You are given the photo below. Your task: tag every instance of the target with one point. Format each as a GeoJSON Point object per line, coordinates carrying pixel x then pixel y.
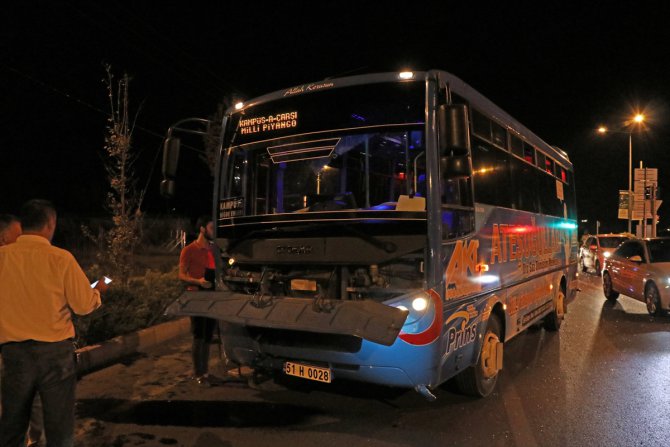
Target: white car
{"type": "Point", "coordinates": [640, 268]}
{"type": "Point", "coordinates": [596, 249]}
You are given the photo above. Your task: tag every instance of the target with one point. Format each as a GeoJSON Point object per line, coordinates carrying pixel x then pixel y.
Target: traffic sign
{"type": "Point", "coordinates": [646, 205]}
{"type": "Point", "coordinates": [623, 204]}
{"type": "Point", "coordinates": [648, 174]}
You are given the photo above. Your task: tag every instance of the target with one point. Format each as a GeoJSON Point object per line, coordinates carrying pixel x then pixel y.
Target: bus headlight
{"type": "Point", "coordinates": [419, 304]}
{"type": "Point", "coordinates": [424, 321]}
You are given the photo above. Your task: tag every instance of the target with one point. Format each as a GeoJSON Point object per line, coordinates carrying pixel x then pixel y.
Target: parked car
{"type": "Point", "coordinates": [596, 249]}
{"type": "Point", "coordinates": [640, 268]}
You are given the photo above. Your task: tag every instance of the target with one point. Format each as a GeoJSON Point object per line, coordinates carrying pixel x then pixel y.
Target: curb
{"type": "Point", "coordinates": [91, 358]}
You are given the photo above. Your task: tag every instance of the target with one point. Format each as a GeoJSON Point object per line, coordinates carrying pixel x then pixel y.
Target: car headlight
{"type": "Point", "coordinates": [607, 254]}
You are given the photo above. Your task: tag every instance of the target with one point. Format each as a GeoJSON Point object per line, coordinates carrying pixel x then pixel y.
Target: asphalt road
{"type": "Point", "coordinates": [603, 380]}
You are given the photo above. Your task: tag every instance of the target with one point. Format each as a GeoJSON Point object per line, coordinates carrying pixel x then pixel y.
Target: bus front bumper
{"type": "Point", "coordinates": [366, 319]}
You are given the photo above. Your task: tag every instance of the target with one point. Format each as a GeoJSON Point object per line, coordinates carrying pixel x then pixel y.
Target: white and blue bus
{"type": "Point", "coordinates": [394, 228]}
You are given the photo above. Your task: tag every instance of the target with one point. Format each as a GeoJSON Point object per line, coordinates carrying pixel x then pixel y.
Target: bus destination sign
{"type": "Point", "coordinates": [260, 124]}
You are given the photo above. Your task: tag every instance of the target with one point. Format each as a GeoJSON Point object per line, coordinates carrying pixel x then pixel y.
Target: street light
{"type": "Point", "coordinates": [635, 122]}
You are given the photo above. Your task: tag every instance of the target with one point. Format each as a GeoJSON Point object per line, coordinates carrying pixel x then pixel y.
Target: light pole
{"type": "Point", "coordinates": [637, 119]}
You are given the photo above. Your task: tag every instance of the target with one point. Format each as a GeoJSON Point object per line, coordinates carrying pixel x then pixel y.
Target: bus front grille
{"type": "Point", "coordinates": [308, 340]}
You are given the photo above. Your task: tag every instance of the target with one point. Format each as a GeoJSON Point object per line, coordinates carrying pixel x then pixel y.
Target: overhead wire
{"type": "Point", "coordinates": [148, 49]}
{"type": "Point", "coordinates": [184, 53]}
{"type": "Point", "coordinates": [83, 103]}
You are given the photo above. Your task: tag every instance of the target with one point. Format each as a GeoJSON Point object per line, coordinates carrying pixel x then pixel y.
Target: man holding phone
{"type": "Point", "coordinates": [40, 285]}
{"type": "Point", "coordinates": [197, 269]}
{"type": "Point", "coordinates": [10, 230]}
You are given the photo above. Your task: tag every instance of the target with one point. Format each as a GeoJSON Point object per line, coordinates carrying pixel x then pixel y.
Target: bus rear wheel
{"type": "Point", "coordinates": [480, 379]}
{"type": "Point", "coordinates": [552, 322]}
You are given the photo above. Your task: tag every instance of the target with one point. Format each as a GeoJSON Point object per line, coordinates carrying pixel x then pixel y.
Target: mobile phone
{"type": "Point", "coordinates": [106, 279]}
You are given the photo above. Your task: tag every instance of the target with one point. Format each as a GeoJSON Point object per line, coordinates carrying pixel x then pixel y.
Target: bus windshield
{"type": "Point", "coordinates": [382, 170]}
{"type": "Point", "coordinates": [331, 148]}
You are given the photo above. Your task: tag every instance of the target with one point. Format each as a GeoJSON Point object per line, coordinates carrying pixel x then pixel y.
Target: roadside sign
{"type": "Point", "coordinates": [637, 210]}
{"type": "Point", "coordinates": [648, 174]}
{"type": "Point", "coordinates": [623, 204]}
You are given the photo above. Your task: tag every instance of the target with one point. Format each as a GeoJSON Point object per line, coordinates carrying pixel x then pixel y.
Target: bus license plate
{"type": "Point", "coordinates": [307, 372]}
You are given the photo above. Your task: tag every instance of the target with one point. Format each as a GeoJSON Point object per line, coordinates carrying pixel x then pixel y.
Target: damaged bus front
{"type": "Point", "coordinates": [321, 215]}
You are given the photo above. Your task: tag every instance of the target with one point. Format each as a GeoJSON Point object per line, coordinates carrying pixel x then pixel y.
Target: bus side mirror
{"type": "Point", "coordinates": [170, 162]}
{"type": "Point", "coordinates": [454, 129]}
{"type": "Point", "coordinates": [168, 188]}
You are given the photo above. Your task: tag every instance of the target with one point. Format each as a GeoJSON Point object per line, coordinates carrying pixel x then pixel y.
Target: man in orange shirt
{"type": "Point", "coordinates": [10, 230]}
{"type": "Point", "coordinates": [40, 285]}
{"type": "Point", "coordinates": [197, 269]}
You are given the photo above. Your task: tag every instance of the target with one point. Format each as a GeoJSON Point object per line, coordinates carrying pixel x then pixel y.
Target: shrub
{"type": "Point", "coordinates": [129, 308]}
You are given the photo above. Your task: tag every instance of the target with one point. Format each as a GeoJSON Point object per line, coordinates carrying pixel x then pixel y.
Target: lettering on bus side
{"type": "Point", "coordinates": [524, 298]}
{"type": "Point", "coordinates": [532, 248]}
{"type": "Point", "coordinates": [461, 328]}
{"type": "Point", "coordinates": [459, 337]}
{"type": "Point", "coordinates": [461, 269]}
{"type": "Point", "coordinates": [530, 316]}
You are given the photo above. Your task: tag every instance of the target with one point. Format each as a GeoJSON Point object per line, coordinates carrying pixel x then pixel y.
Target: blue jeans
{"type": "Point", "coordinates": [49, 369]}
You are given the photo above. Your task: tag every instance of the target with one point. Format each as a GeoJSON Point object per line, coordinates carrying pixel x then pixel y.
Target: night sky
{"type": "Point", "coordinates": [559, 69]}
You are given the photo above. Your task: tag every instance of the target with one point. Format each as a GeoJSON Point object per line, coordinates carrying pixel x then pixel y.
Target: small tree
{"type": "Point", "coordinates": [123, 200]}
{"type": "Point", "coordinates": [212, 139]}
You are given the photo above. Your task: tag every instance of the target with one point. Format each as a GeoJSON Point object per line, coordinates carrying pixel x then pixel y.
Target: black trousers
{"type": "Point", "coordinates": [203, 331]}
{"type": "Point", "coordinates": [49, 369]}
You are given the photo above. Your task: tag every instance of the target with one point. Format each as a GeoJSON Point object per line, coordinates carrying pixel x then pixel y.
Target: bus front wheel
{"type": "Point", "coordinates": [480, 379]}
{"type": "Point", "coordinates": [552, 322]}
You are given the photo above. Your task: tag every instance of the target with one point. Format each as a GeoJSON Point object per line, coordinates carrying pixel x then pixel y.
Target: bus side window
{"type": "Point", "coordinates": [456, 191]}
{"type": "Point", "coordinates": [491, 174]}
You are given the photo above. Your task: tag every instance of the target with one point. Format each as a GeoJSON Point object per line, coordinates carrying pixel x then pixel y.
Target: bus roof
{"type": "Point", "coordinates": [456, 85]}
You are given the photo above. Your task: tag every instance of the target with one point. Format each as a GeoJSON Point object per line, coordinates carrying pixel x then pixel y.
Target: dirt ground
{"type": "Point", "coordinates": [125, 404]}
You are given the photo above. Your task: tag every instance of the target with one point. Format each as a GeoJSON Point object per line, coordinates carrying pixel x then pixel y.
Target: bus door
{"type": "Point", "coordinates": [460, 259]}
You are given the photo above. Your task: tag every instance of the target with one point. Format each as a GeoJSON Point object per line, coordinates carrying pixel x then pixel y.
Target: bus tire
{"type": "Point", "coordinates": [552, 322]}
{"type": "Point", "coordinates": [480, 380]}
{"type": "Point", "coordinates": [608, 291]}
